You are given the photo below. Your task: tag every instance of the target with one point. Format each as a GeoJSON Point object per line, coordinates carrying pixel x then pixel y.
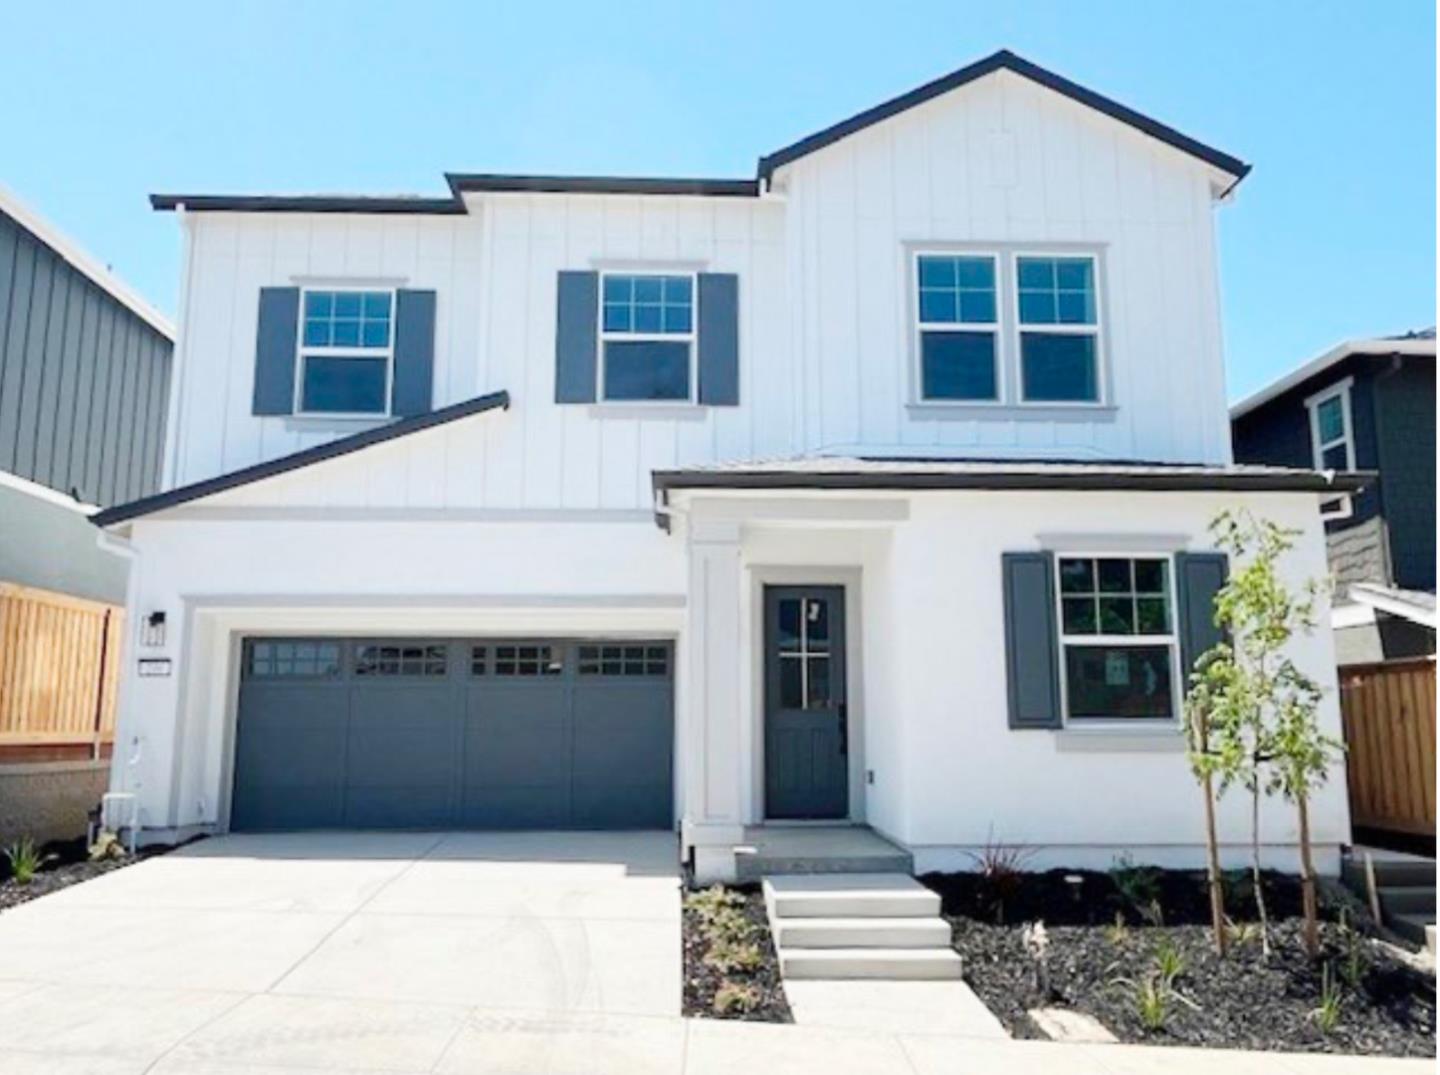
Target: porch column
{"type": "Point", "coordinates": [712, 825]}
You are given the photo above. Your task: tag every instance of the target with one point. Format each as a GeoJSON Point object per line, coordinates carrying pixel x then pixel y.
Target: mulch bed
{"type": "Point", "coordinates": [70, 866]}
{"type": "Point", "coordinates": [1243, 1001]}
{"type": "Point", "coordinates": [702, 981]}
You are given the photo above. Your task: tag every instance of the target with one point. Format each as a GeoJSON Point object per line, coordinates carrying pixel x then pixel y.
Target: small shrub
{"type": "Point", "coordinates": [1139, 886]}
{"type": "Point", "coordinates": [714, 900]}
{"type": "Point", "coordinates": [1327, 1015]}
{"type": "Point", "coordinates": [1118, 933]}
{"type": "Point", "coordinates": [1242, 933]}
{"type": "Point", "coordinates": [1169, 963]}
{"type": "Point", "coordinates": [1153, 914]}
{"type": "Point", "coordinates": [731, 957]}
{"type": "Point", "coordinates": [1152, 1004]}
{"type": "Point", "coordinates": [25, 860]}
{"type": "Point", "coordinates": [1354, 966]}
{"type": "Point", "coordinates": [1002, 869]}
{"type": "Point", "coordinates": [735, 998]}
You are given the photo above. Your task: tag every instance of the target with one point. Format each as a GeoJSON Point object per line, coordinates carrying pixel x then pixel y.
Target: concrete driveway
{"type": "Point", "coordinates": [371, 951]}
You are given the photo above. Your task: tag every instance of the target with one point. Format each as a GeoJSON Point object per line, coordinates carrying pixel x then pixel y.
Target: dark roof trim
{"type": "Point", "coordinates": [307, 203]}
{"type": "Point", "coordinates": [596, 184]}
{"type": "Point", "coordinates": [1298, 481]}
{"type": "Point", "coordinates": [1006, 60]}
{"type": "Point", "coordinates": [310, 456]}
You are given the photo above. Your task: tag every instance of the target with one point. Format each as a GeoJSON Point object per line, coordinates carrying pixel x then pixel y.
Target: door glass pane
{"type": "Point", "coordinates": [817, 625]}
{"type": "Point", "coordinates": [817, 694]}
{"type": "Point", "coordinates": [788, 636]}
{"type": "Point", "coordinates": [792, 692]}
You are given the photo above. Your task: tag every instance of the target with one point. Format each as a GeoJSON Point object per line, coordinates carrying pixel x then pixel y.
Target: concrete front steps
{"type": "Point", "coordinates": [1405, 885]}
{"type": "Point", "coordinates": [859, 925]}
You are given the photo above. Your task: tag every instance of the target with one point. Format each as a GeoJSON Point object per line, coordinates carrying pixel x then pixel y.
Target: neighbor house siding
{"type": "Point", "coordinates": [83, 380]}
{"type": "Point", "coordinates": [1405, 441]}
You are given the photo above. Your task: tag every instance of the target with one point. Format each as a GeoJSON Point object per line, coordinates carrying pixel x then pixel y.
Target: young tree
{"type": "Point", "coordinates": [1252, 713]}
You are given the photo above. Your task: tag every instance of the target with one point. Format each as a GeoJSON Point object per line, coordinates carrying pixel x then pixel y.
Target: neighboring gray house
{"type": "Point", "coordinates": [84, 386]}
{"type": "Point", "coordinates": [1364, 405]}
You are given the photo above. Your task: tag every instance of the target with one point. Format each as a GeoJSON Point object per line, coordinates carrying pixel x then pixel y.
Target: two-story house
{"type": "Point", "coordinates": [871, 490]}
{"type": "Point", "coordinates": [1363, 405]}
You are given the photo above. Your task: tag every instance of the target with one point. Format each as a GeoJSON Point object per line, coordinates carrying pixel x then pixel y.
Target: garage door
{"type": "Point", "coordinates": [443, 733]}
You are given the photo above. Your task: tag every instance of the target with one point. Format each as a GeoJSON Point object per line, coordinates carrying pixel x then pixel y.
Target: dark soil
{"type": "Point", "coordinates": [1243, 1001]}
{"type": "Point", "coordinates": [703, 981]}
{"type": "Point", "coordinates": [70, 866]}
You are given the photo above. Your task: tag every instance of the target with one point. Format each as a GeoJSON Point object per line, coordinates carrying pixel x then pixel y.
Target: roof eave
{"type": "Point", "coordinates": [404, 427]}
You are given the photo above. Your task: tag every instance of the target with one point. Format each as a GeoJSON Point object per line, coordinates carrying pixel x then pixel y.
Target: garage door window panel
{"type": "Point", "coordinates": [392, 660]}
{"type": "Point", "coordinates": [298, 659]}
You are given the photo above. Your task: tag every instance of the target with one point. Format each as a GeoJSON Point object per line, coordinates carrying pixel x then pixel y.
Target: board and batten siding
{"type": "Point", "coordinates": [825, 302]}
{"type": "Point", "coordinates": [84, 381]}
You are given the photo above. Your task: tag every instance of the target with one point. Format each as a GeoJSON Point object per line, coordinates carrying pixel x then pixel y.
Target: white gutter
{"type": "Point", "coordinates": [1386, 600]}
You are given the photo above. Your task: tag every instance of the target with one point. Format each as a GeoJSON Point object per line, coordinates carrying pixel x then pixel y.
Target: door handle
{"type": "Point", "coordinates": [844, 729]}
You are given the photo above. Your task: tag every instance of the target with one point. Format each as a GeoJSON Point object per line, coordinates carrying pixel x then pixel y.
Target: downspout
{"type": "Point", "coordinates": [126, 756]}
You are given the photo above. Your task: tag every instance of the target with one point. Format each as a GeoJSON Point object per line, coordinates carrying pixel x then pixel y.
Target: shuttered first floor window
{"type": "Point", "coordinates": [647, 338]}
{"type": "Point", "coordinates": [1118, 642]}
{"type": "Point", "coordinates": [347, 347]}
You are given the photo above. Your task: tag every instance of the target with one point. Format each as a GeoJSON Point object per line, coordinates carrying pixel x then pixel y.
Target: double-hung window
{"type": "Point", "coordinates": [1059, 329]}
{"type": "Point", "coordinates": [347, 349]}
{"type": "Point", "coordinates": [1118, 644]}
{"type": "Point", "coordinates": [958, 328]}
{"type": "Point", "coordinates": [647, 338]}
{"type": "Point", "coordinates": [1330, 435]}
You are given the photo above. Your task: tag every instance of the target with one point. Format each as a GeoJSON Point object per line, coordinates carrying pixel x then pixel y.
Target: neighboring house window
{"type": "Point", "coordinates": [1118, 649]}
{"type": "Point", "coordinates": [347, 347]}
{"type": "Point", "coordinates": [1059, 329]}
{"type": "Point", "coordinates": [647, 338]}
{"type": "Point", "coordinates": [1330, 435]}
{"type": "Point", "coordinates": [958, 327]}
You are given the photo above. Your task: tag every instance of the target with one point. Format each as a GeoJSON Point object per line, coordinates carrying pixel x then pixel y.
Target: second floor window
{"type": "Point", "coordinates": [958, 327]}
{"type": "Point", "coordinates": [347, 346]}
{"type": "Point", "coordinates": [1059, 330]}
{"type": "Point", "coordinates": [1330, 429]}
{"type": "Point", "coordinates": [647, 338]}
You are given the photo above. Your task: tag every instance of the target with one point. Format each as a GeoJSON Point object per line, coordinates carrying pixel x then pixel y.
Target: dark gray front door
{"type": "Point", "coordinates": [805, 712]}
{"type": "Point", "coordinates": [444, 733]}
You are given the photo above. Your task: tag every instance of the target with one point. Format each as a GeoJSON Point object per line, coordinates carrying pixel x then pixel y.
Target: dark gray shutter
{"type": "Point", "coordinates": [275, 342]}
{"type": "Point", "coordinates": [1198, 578]}
{"type": "Point", "coordinates": [719, 339]}
{"type": "Point", "coordinates": [1031, 659]}
{"type": "Point", "coordinates": [412, 389]}
{"type": "Point", "coordinates": [577, 336]}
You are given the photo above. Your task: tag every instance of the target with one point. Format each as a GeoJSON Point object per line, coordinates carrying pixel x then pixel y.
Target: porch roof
{"type": "Point", "coordinates": [841, 472]}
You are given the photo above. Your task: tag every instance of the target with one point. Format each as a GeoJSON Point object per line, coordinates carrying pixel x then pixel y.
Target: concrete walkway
{"type": "Point", "coordinates": [468, 953]}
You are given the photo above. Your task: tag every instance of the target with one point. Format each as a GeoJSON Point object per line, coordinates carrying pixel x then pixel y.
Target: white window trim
{"type": "Point", "coordinates": [302, 352]}
{"type": "Point", "coordinates": [919, 328]}
{"type": "Point", "coordinates": [1343, 506]}
{"type": "Point", "coordinates": [1097, 330]}
{"type": "Point", "coordinates": [1170, 641]}
{"type": "Point", "coordinates": [691, 339]}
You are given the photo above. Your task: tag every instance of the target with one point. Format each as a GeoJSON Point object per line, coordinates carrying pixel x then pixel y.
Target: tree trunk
{"type": "Point", "coordinates": [1307, 881]}
{"type": "Point", "coordinates": [1255, 869]}
{"type": "Point", "coordinates": [1212, 850]}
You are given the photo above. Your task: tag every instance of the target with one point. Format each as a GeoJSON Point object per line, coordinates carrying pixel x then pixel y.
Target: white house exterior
{"type": "Point", "coordinates": [874, 491]}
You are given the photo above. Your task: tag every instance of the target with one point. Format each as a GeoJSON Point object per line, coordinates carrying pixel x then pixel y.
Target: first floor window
{"type": "Point", "coordinates": [958, 327]}
{"type": "Point", "coordinates": [1059, 329]}
{"type": "Point", "coordinates": [347, 344]}
{"type": "Point", "coordinates": [1117, 638]}
{"type": "Point", "coordinates": [647, 337]}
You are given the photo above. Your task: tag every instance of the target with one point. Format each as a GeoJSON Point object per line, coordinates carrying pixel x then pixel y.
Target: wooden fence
{"type": "Point", "coordinates": [1389, 715]}
{"type": "Point", "coordinates": [59, 670]}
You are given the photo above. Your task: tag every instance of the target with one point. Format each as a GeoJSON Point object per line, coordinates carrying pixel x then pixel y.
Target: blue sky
{"type": "Point", "coordinates": [1332, 236]}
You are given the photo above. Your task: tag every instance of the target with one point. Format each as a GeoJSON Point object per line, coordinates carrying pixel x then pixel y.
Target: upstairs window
{"type": "Point", "coordinates": [347, 348]}
{"type": "Point", "coordinates": [958, 328]}
{"type": "Point", "coordinates": [1059, 329]}
{"type": "Point", "coordinates": [1330, 434]}
{"type": "Point", "coordinates": [647, 338]}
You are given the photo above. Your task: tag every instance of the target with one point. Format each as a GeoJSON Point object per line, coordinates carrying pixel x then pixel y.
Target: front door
{"type": "Point", "coordinates": [805, 734]}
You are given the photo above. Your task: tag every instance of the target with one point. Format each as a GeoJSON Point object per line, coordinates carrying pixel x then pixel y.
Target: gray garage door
{"type": "Point", "coordinates": [442, 733]}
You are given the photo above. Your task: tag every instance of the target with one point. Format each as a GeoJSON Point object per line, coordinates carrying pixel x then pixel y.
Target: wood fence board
{"type": "Point", "coordinates": [59, 666]}
{"type": "Point", "coordinates": [1388, 716]}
